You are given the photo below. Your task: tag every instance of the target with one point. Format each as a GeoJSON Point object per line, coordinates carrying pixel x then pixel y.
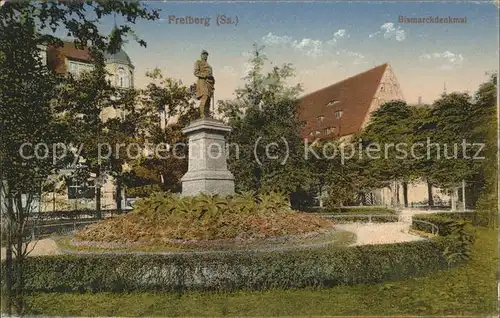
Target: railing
{"type": "Point", "coordinates": [368, 216]}
{"type": "Point", "coordinates": [434, 227]}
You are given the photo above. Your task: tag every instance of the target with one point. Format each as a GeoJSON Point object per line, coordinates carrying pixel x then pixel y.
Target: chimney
{"type": "Point", "coordinates": [420, 101]}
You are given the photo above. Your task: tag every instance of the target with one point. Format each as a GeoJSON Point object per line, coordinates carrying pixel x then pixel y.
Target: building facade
{"type": "Point", "coordinates": [68, 59]}
{"type": "Point", "coordinates": [345, 108]}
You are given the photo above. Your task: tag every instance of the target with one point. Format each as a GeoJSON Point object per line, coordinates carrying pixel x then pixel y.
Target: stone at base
{"type": "Point", "coordinates": [208, 182]}
{"type": "Point", "coordinates": [207, 167]}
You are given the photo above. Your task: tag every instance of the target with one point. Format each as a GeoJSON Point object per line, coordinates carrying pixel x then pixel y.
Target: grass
{"type": "Point", "coordinates": [466, 290]}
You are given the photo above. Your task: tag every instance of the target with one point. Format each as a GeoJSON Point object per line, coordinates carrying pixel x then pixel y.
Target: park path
{"type": "Point", "coordinates": [43, 247]}
{"type": "Point", "coordinates": [385, 233]}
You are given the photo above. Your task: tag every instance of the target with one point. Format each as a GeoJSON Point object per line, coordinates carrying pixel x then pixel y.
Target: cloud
{"type": "Point", "coordinates": [340, 34]}
{"type": "Point", "coordinates": [389, 32]}
{"type": "Point", "coordinates": [449, 59]}
{"type": "Point", "coordinates": [310, 47]}
{"type": "Point", "coordinates": [271, 39]}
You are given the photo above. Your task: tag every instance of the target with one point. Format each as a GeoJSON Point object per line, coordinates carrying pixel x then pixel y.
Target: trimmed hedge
{"type": "Point", "coordinates": [322, 267]}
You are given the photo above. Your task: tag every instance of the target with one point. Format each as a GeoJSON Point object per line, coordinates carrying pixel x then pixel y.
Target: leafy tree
{"type": "Point", "coordinates": [163, 100]}
{"type": "Point", "coordinates": [265, 110]}
{"type": "Point", "coordinates": [27, 93]}
{"type": "Point", "coordinates": [485, 131]}
{"type": "Point", "coordinates": [389, 133]}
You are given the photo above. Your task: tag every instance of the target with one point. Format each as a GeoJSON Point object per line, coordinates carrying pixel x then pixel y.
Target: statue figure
{"type": "Point", "coordinates": [205, 84]}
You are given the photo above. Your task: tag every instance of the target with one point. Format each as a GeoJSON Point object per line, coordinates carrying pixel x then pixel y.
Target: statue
{"type": "Point", "coordinates": [205, 84]}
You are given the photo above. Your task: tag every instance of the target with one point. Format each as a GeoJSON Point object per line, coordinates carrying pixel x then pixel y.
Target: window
{"type": "Point", "coordinates": [382, 87]}
{"type": "Point", "coordinates": [76, 68]}
{"type": "Point", "coordinates": [329, 130]}
{"type": "Point", "coordinates": [123, 78]}
{"type": "Point", "coordinates": [311, 134]}
{"type": "Point", "coordinates": [338, 113]}
{"type": "Point", "coordinates": [318, 132]}
{"type": "Point", "coordinates": [80, 190]}
{"type": "Point", "coordinates": [332, 102]}
{"type": "Point", "coordinates": [320, 119]}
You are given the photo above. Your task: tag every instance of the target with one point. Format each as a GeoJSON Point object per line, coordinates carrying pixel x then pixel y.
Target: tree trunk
{"type": "Point", "coordinates": [453, 199]}
{"type": "Point", "coordinates": [405, 193]}
{"type": "Point", "coordinates": [21, 219]}
{"type": "Point", "coordinates": [119, 194]}
{"type": "Point", "coordinates": [395, 193]}
{"type": "Point", "coordinates": [98, 193]}
{"type": "Point", "coordinates": [429, 194]}
{"type": "Point", "coordinates": [8, 255]}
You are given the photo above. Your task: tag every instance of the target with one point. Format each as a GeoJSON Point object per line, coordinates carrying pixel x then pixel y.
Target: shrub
{"type": "Point", "coordinates": [321, 267]}
{"type": "Point", "coordinates": [163, 219]}
{"type": "Point", "coordinates": [457, 230]}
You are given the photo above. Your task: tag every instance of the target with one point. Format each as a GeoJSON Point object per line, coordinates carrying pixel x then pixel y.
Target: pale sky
{"type": "Point", "coordinates": [326, 42]}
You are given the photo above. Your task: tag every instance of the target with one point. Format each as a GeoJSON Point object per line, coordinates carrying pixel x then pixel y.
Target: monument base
{"type": "Point", "coordinates": [208, 182]}
{"type": "Point", "coordinates": [207, 166]}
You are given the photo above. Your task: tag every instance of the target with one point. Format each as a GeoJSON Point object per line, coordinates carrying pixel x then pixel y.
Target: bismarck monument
{"type": "Point", "coordinates": [207, 165]}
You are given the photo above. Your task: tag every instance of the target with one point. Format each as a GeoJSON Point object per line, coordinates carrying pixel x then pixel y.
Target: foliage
{"type": "Point", "coordinates": [29, 92]}
{"type": "Point", "coordinates": [321, 267]}
{"type": "Point", "coordinates": [265, 112]}
{"type": "Point", "coordinates": [467, 290]}
{"type": "Point", "coordinates": [163, 218]}
{"type": "Point", "coordinates": [456, 229]}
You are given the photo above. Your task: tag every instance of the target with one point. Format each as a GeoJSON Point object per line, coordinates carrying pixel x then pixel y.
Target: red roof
{"type": "Point", "coordinates": [353, 97]}
{"type": "Point", "coordinates": [57, 56]}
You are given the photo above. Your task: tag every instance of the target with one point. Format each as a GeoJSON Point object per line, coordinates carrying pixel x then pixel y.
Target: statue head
{"type": "Point", "coordinates": [204, 55]}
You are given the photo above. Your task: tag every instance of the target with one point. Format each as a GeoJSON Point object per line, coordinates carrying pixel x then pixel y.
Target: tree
{"type": "Point", "coordinates": [390, 131]}
{"type": "Point", "coordinates": [27, 92]}
{"type": "Point", "coordinates": [485, 130]}
{"type": "Point", "coordinates": [164, 99]}
{"type": "Point", "coordinates": [265, 111]}
{"type": "Point", "coordinates": [451, 162]}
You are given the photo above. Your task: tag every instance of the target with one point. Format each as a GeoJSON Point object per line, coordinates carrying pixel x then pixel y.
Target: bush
{"type": "Point", "coordinates": [452, 226]}
{"type": "Point", "coordinates": [321, 267]}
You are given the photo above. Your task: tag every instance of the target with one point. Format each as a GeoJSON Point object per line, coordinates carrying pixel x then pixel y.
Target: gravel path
{"type": "Point", "coordinates": [380, 233]}
{"type": "Point", "coordinates": [43, 247]}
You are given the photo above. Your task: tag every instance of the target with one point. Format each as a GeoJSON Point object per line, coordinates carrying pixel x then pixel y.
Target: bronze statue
{"type": "Point", "coordinates": [205, 84]}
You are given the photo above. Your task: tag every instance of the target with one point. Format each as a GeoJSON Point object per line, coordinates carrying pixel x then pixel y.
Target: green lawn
{"type": "Point", "coordinates": [466, 290]}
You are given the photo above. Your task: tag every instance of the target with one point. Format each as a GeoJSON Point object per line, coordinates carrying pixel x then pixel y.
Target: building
{"type": "Point", "coordinates": [344, 108]}
{"type": "Point", "coordinates": [69, 59]}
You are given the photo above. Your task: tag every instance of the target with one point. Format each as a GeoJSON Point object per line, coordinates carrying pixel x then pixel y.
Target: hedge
{"type": "Point", "coordinates": [322, 267]}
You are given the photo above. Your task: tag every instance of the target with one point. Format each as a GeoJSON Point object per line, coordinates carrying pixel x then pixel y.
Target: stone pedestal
{"type": "Point", "coordinates": [207, 167]}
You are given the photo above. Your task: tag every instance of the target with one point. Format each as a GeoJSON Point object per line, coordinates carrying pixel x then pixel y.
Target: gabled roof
{"type": "Point", "coordinates": [353, 96]}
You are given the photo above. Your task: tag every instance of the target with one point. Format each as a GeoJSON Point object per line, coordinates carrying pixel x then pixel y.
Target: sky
{"type": "Point", "coordinates": [325, 41]}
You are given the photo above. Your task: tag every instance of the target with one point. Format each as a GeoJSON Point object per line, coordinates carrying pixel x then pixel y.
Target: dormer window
{"type": "Point", "coordinates": [332, 102]}
{"type": "Point", "coordinates": [320, 119]}
{"type": "Point", "coordinates": [338, 113]}
{"type": "Point", "coordinates": [329, 130]}
{"type": "Point", "coordinates": [318, 132]}
{"type": "Point", "coordinates": [311, 134]}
